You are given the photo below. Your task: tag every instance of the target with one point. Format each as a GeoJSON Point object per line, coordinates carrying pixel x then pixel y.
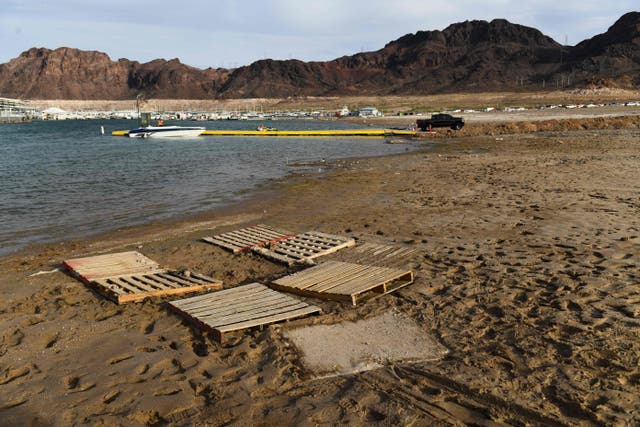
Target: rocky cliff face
{"type": "Point", "coordinates": [612, 57]}
{"type": "Point", "coordinates": [67, 73]}
{"type": "Point", "coordinates": [63, 73]}
{"type": "Point", "coordinates": [476, 55]}
{"type": "Point", "coordinates": [467, 56]}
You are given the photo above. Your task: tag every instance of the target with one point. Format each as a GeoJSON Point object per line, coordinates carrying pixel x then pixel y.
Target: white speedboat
{"type": "Point", "coordinates": [146, 130]}
{"type": "Point", "coordinates": [166, 132]}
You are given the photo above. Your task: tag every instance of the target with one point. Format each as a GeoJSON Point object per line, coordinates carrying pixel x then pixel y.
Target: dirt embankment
{"type": "Point", "coordinates": [553, 125]}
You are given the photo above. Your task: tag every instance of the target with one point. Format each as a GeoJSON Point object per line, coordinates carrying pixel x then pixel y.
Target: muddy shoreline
{"type": "Point", "coordinates": [527, 274]}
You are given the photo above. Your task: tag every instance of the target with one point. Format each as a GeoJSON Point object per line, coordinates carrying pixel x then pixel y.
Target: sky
{"type": "Point", "coordinates": [228, 34]}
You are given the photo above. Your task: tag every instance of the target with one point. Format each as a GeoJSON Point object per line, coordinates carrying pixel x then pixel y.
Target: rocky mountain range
{"type": "Point", "coordinates": [468, 56]}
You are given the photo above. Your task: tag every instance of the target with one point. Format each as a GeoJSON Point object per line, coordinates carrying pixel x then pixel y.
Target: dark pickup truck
{"type": "Point", "coordinates": [440, 121]}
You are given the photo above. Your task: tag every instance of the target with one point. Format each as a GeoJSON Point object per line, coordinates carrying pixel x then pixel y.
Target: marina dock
{"type": "Point", "coordinates": [300, 133]}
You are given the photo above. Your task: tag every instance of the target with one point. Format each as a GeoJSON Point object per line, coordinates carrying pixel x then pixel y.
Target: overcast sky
{"type": "Point", "coordinates": [226, 33]}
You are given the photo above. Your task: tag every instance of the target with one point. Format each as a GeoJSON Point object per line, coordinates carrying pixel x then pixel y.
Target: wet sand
{"type": "Point", "coordinates": [527, 275]}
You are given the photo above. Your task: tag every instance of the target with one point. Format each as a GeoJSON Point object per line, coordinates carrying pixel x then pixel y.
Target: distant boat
{"type": "Point", "coordinates": [147, 131]}
{"type": "Point", "coordinates": [166, 132]}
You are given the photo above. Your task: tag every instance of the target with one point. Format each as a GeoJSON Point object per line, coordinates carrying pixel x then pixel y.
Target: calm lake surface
{"type": "Point", "coordinates": [60, 180]}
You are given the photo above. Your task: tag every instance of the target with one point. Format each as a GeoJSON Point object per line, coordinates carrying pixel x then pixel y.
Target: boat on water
{"type": "Point", "coordinates": [146, 130]}
{"type": "Point", "coordinates": [166, 132]}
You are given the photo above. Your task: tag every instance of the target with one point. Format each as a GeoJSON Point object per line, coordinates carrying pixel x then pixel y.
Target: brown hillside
{"type": "Point", "coordinates": [471, 56]}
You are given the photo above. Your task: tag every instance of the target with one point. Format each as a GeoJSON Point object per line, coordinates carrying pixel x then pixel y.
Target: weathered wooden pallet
{"type": "Point", "coordinates": [118, 264]}
{"type": "Point", "coordinates": [137, 287]}
{"type": "Point", "coordinates": [240, 308]}
{"type": "Point", "coordinates": [344, 281]}
{"type": "Point", "coordinates": [392, 256]}
{"type": "Point", "coordinates": [131, 276]}
{"type": "Point", "coordinates": [247, 238]}
{"type": "Point", "coordinates": [304, 248]}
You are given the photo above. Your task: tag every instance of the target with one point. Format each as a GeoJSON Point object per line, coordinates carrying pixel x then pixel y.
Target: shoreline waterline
{"type": "Point", "coordinates": [250, 207]}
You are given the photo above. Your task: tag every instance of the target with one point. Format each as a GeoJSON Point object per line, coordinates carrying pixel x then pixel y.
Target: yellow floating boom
{"type": "Point", "coordinates": [332, 132]}
{"type": "Point", "coordinates": [341, 132]}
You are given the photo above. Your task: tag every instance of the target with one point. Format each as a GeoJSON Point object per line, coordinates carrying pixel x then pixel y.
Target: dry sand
{"type": "Point", "coordinates": [528, 275]}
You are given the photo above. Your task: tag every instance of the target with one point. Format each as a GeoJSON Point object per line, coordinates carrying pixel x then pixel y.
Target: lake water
{"type": "Point", "coordinates": [60, 180]}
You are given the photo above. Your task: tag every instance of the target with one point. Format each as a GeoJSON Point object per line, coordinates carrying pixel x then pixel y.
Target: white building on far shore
{"type": "Point", "coordinates": [54, 113]}
{"type": "Point", "coordinates": [344, 112]}
{"type": "Point", "coordinates": [14, 110]}
{"type": "Point", "coordinates": [370, 112]}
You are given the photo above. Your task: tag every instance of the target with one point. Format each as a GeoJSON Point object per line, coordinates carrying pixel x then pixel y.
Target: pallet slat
{"type": "Point", "coordinates": [240, 308]}
{"type": "Point", "coordinates": [133, 284]}
{"type": "Point", "coordinates": [223, 244]}
{"type": "Point", "coordinates": [315, 276]}
{"type": "Point", "coordinates": [301, 249]}
{"type": "Point", "coordinates": [246, 238]}
{"type": "Point", "coordinates": [344, 281]}
{"type": "Point", "coordinates": [337, 280]}
{"type": "Point", "coordinates": [271, 319]}
{"type": "Point", "coordinates": [392, 256]}
{"type": "Point", "coordinates": [262, 299]}
{"type": "Point", "coordinates": [130, 288]}
{"type": "Point", "coordinates": [257, 313]}
{"type": "Point", "coordinates": [330, 278]}
{"type": "Point", "coordinates": [262, 234]}
{"type": "Point", "coordinates": [245, 292]}
{"type": "Point", "coordinates": [280, 258]}
{"type": "Point", "coordinates": [165, 282]}
{"type": "Point", "coordinates": [364, 282]}
{"type": "Point", "coordinates": [149, 281]}
{"type": "Point", "coordinates": [103, 266]}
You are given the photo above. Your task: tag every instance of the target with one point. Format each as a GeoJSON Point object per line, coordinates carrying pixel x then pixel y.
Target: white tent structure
{"type": "Point", "coordinates": [54, 113]}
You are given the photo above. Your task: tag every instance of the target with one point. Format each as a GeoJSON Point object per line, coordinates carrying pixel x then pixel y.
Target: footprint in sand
{"type": "Point", "coordinates": [148, 327]}
{"type": "Point", "coordinates": [17, 401]}
{"type": "Point", "coordinates": [119, 359]}
{"type": "Point", "coordinates": [167, 391]}
{"type": "Point", "coordinates": [622, 255]}
{"type": "Point", "coordinates": [50, 340]}
{"type": "Point", "coordinates": [83, 387]}
{"type": "Point", "coordinates": [71, 382]}
{"type": "Point", "coordinates": [147, 418]}
{"type": "Point", "coordinates": [12, 374]}
{"type": "Point", "coordinates": [111, 396]}
{"type": "Point", "coordinates": [573, 306]}
{"type": "Point", "coordinates": [11, 339]}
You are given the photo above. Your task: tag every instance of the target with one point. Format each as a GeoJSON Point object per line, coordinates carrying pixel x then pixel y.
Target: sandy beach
{"type": "Point", "coordinates": [526, 272]}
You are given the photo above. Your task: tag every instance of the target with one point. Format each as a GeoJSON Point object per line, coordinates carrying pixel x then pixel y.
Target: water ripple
{"type": "Point", "coordinates": [63, 179]}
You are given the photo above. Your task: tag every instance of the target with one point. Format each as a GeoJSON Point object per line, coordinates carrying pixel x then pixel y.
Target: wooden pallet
{"type": "Point", "coordinates": [247, 238]}
{"type": "Point", "coordinates": [137, 287]}
{"type": "Point", "coordinates": [131, 276]}
{"type": "Point", "coordinates": [304, 248]}
{"type": "Point", "coordinates": [118, 264]}
{"type": "Point", "coordinates": [380, 255]}
{"type": "Point", "coordinates": [344, 281]}
{"type": "Point", "coordinates": [240, 308]}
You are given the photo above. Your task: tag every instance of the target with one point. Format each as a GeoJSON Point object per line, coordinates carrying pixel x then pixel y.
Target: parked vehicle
{"type": "Point", "coordinates": [440, 121]}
